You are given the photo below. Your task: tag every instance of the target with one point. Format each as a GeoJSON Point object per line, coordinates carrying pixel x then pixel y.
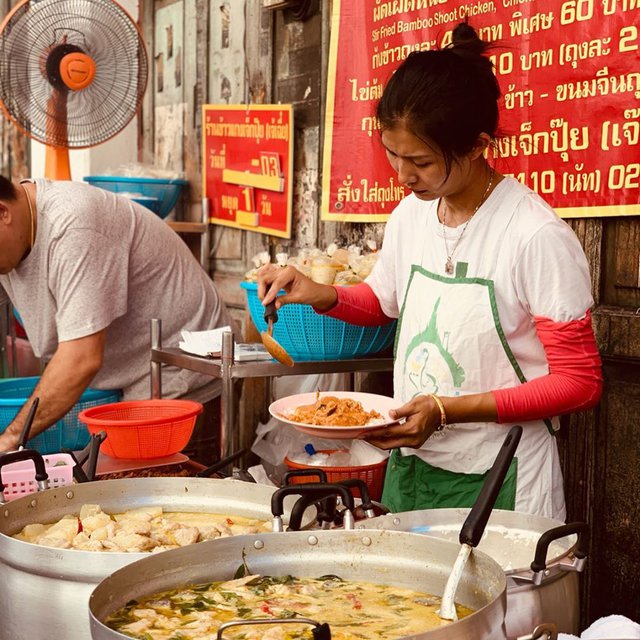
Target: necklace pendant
{"type": "Point", "coordinates": [448, 267]}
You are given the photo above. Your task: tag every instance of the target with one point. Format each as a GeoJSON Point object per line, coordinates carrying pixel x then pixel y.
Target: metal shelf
{"type": "Point", "coordinates": [266, 368]}
{"type": "Point", "coordinates": [225, 369]}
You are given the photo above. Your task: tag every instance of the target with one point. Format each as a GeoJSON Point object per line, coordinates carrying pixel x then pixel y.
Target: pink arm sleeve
{"type": "Point", "coordinates": [574, 381]}
{"type": "Point", "coordinates": [359, 305]}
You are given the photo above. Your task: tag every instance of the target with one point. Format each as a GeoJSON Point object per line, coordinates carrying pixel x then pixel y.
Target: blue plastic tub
{"type": "Point", "coordinates": [307, 335]}
{"type": "Point", "coordinates": [68, 432]}
{"type": "Point", "coordinates": [157, 194]}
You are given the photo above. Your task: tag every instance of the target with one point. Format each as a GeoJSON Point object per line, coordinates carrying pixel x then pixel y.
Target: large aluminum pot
{"type": "Point", "coordinates": [45, 591]}
{"type": "Point", "coordinates": [550, 594]}
{"type": "Point", "coordinates": [389, 557]}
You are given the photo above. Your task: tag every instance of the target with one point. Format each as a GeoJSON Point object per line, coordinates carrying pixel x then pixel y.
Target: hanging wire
{"type": "Point", "coordinates": [58, 117]}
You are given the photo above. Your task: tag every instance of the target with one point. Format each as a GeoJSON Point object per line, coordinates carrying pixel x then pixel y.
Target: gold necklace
{"type": "Point", "coordinates": [448, 267]}
{"type": "Point", "coordinates": [31, 216]}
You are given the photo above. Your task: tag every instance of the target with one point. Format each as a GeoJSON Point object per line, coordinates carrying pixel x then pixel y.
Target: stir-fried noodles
{"type": "Point", "coordinates": [330, 411]}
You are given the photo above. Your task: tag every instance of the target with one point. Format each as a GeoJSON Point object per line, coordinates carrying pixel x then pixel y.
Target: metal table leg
{"type": "Point", "coordinates": [229, 438]}
{"type": "Point", "coordinates": [156, 367]}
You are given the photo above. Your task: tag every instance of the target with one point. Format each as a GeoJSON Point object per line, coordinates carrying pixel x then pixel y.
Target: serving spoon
{"type": "Point", "coordinates": [474, 526]}
{"type": "Point", "coordinates": [270, 344]}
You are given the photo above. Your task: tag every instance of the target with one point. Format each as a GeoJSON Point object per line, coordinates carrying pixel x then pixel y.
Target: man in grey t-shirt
{"type": "Point", "coordinates": [87, 270]}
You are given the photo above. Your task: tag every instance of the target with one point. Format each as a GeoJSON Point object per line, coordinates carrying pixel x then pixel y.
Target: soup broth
{"type": "Point", "coordinates": [353, 610]}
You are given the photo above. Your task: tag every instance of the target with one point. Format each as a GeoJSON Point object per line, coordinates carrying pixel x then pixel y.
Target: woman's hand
{"type": "Point", "coordinates": [299, 288]}
{"type": "Point", "coordinates": [422, 418]}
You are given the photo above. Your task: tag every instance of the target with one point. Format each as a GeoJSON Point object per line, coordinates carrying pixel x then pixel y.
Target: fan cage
{"type": "Point", "coordinates": [75, 119]}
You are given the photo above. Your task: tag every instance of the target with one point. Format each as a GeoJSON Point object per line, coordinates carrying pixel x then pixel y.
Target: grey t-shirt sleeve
{"type": "Point", "coordinates": [4, 298]}
{"type": "Point", "coordinates": [88, 278]}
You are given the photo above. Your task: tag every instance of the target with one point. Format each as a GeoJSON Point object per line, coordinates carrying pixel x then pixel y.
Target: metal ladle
{"type": "Point", "coordinates": [270, 344]}
{"type": "Point", "coordinates": [474, 526]}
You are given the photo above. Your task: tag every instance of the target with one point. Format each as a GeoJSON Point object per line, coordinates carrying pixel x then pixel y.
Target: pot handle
{"type": "Point", "coordinates": [361, 485]}
{"type": "Point", "coordinates": [539, 564]}
{"type": "Point", "coordinates": [320, 631]}
{"type": "Point", "coordinates": [42, 477]}
{"type": "Point", "coordinates": [326, 509]}
{"type": "Point", "coordinates": [302, 473]}
{"type": "Point", "coordinates": [316, 489]}
{"type": "Point", "coordinates": [546, 631]}
{"type": "Point", "coordinates": [476, 521]}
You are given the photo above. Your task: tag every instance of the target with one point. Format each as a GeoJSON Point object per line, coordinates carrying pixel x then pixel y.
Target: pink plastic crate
{"type": "Point", "coordinates": [19, 477]}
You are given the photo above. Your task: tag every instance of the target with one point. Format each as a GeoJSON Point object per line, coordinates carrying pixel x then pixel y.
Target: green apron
{"type": "Point", "coordinates": [413, 484]}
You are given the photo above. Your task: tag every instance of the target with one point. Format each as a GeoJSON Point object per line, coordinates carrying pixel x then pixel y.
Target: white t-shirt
{"type": "Point", "coordinates": [102, 261]}
{"type": "Point", "coordinates": [535, 261]}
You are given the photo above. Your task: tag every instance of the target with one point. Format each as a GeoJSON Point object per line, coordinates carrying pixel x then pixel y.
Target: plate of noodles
{"type": "Point", "coordinates": [335, 414]}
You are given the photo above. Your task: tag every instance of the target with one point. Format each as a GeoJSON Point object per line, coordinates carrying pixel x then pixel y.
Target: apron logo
{"type": "Point", "coordinates": [426, 355]}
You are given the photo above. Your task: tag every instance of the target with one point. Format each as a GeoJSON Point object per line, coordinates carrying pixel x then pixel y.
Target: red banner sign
{"type": "Point", "coordinates": [570, 76]}
{"type": "Point", "coordinates": [248, 166]}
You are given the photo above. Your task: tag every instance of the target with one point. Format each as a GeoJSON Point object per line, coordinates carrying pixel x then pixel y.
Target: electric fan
{"type": "Point", "coordinates": [72, 74]}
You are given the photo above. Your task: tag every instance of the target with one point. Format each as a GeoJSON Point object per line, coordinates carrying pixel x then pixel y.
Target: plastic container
{"type": "Point", "coordinates": [142, 429]}
{"type": "Point", "coordinates": [68, 432]}
{"type": "Point", "coordinates": [154, 204]}
{"type": "Point", "coordinates": [307, 335]}
{"type": "Point", "coordinates": [371, 474]}
{"type": "Point", "coordinates": [19, 477]}
{"type": "Point", "coordinates": [157, 194]}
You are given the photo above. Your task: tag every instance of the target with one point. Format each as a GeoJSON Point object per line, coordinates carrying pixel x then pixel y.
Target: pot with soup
{"type": "Point", "coordinates": [57, 545]}
{"type": "Point", "coordinates": [361, 584]}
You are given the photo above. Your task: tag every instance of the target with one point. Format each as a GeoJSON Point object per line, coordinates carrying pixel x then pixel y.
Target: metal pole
{"type": "Point", "coordinates": [4, 360]}
{"type": "Point", "coordinates": [268, 398]}
{"type": "Point", "coordinates": [204, 238]}
{"type": "Point", "coordinates": [156, 367]}
{"type": "Point", "coordinates": [228, 436]}
{"type": "Point", "coordinates": [13, 341]}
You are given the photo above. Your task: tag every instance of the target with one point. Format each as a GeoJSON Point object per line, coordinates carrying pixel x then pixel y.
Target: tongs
{"type": "Point", "coordinates": [89, 455]}
{"type": "Point", "coordinates": [24, 436]}
{"type": "Point", "coordinates": [221, 464]}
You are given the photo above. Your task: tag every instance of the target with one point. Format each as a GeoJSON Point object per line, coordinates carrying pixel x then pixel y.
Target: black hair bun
{"type": "Point", "coordinates": [465, 39]}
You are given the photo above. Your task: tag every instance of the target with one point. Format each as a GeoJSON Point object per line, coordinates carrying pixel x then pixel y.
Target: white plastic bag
{"type": "Point", "coordinates": [275, 439]}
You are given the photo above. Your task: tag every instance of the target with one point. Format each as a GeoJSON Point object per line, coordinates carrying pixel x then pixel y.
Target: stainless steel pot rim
{"type": "Point", "coordinates": [508, 535]}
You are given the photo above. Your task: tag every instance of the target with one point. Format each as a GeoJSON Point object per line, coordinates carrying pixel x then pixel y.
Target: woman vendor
{"type": "Point", "coordinates": [491, 289]}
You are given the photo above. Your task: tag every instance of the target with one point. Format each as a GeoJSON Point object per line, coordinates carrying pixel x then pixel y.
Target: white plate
{"type": "Point", "coordinates": [280, 409]}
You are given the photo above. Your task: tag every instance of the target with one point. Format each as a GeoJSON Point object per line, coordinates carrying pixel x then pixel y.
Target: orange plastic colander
{"type": "Point", "coordinates": [141, 429]}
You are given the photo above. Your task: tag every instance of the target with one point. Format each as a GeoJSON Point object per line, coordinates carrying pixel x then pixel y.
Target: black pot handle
{"type": "Point", "coordinates": [42, 476]}
{"type": "Point", "coordinates": [326, 510]}
{"type": "Point", "coordinates": [317, 489]}
{"type": "Point", "coordinates": [542, 548]}
{"type": "Point", "coordinates": [476, 521]}
{"type": "Point", "coordinates": [301, 473]}
{"type": "Point", "coordinates": [361, 485]}
{"type": "Point", "coordinates": [319, 631]}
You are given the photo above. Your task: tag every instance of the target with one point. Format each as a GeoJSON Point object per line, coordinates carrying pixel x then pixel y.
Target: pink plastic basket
{"type": "Point", "coordinates": [19, 477]}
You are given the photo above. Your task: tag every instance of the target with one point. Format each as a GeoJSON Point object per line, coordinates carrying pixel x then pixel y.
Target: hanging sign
{"type": "Point", "coordinates": [248, 166]}
{"type": "Point", "coordinates": [570, 113]}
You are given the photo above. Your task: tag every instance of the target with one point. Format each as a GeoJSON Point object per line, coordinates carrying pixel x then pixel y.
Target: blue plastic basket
{"type": "Point", "coordinates": [157, 194]}
{"type": "Point", "coordinates": [68, 432]}
{"type": "Point", "coordinates": [307, 335]}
